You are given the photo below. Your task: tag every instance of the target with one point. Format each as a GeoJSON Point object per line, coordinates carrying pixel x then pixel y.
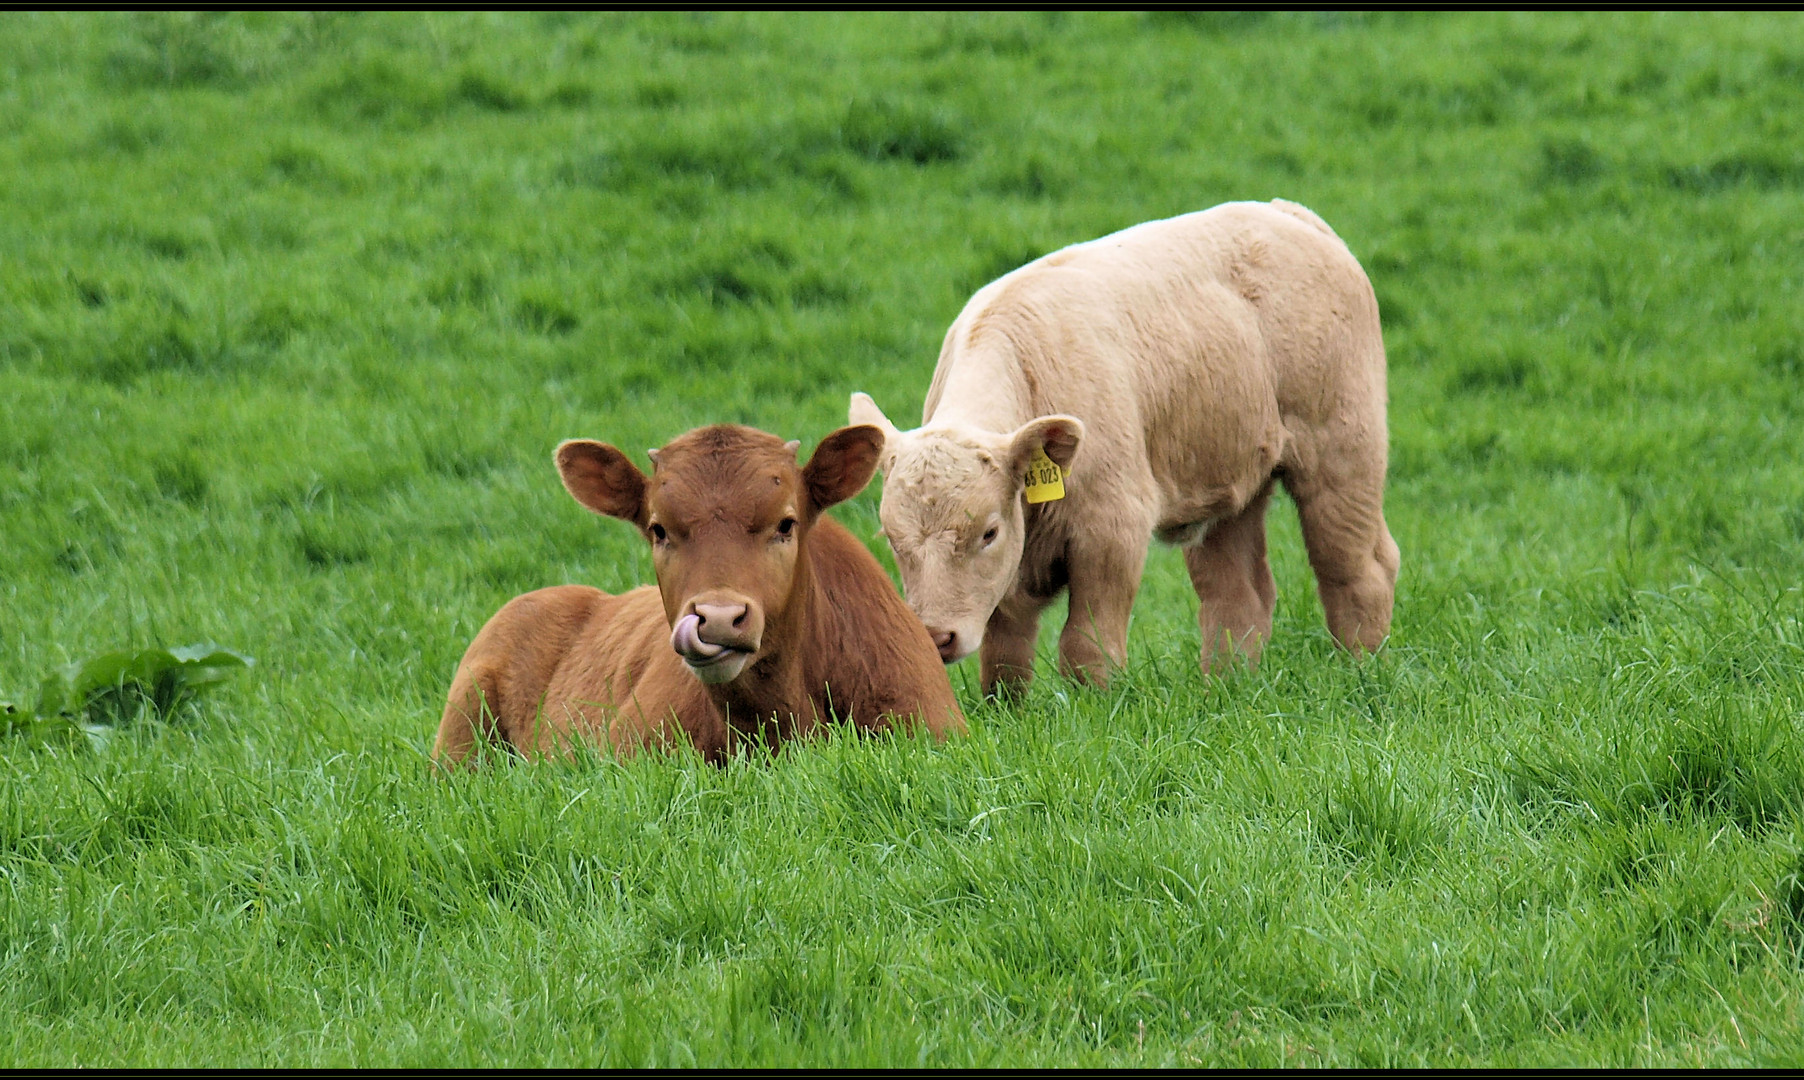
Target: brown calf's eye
{"type": "Point", "coordinates": [658, 534]}
{"type": "Point", "coordinates": [786, 526]}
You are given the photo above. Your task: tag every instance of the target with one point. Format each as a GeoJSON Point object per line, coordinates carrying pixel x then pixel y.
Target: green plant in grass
{"type": "Point", "coordinates": [86, 700]}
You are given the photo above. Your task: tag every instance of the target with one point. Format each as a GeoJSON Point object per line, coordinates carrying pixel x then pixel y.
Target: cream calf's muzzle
{"type": "Point", "coordinates": [954, 645]}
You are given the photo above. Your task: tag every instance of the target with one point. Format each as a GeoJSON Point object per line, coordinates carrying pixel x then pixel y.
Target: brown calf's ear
{"type": "Point", "coordinates": [602, 479]}
{"type": "Point", "coordinates": [842, 465]}
{"type": "Point", "coordinates": [1058, 436]}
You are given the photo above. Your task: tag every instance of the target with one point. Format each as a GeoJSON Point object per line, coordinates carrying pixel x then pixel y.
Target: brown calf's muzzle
{"type": "Point", "coordinates": [717, 633]}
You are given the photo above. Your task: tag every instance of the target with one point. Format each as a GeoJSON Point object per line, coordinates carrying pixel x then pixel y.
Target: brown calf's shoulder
{"type": "Point", "coordinates": [873, 656]}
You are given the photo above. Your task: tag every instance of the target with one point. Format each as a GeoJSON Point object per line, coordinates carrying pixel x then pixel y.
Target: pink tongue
{"type": "Point", "coordinates": [686, 639]}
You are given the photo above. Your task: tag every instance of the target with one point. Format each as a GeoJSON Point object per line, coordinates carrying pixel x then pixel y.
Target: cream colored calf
{"type": "Point", "coordinates": [1176, 369]}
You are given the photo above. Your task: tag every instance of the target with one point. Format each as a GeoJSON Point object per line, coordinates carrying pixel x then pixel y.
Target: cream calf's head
{"type": "Point", "coordinates": [954, 512]}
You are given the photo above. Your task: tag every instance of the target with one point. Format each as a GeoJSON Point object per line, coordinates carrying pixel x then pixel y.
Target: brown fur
{"type": "Point", "coordinates": [1183, 366]}
{"type": "Point", "coordinates": [825, 634]}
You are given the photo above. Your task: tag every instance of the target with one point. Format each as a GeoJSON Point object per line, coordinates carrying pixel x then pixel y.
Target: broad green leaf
{"type": "Point", "coordinates": [204, 665]}
{"type": "Point", "coordinates": [211, 656]}
{"type": "Point", "coordinates": [108, 670]}
{"type": "Point", "coordinates": [54, 694]}
{"type": "Point", "coordinates": [13, 718]}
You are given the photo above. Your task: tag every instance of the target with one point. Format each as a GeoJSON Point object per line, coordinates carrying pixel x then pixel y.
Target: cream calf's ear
{"type": "Point", "coordinates": [842, 465]}
{"type": "Point", "coordinates": [1058, 436]}
{"type": "Point", "coordinates": [863, 410]}
{"type": "Point", "coordinates": [602, 479]}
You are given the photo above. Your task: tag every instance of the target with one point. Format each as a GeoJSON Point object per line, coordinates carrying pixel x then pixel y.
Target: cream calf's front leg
{"type": "Point", "coordinates": [1104, 580]}
{"type": "Point", "coordinates": [1007, 654]}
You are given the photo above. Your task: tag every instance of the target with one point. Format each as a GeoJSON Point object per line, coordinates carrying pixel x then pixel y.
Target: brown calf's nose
{"type": "Point", "coordinates": [719, 615]}
{"type": "Point", "coordinates": [726, 624]}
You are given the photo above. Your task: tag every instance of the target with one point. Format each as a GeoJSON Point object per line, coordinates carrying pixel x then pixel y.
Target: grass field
{"type": "Point", "coordinates": [293, 310]}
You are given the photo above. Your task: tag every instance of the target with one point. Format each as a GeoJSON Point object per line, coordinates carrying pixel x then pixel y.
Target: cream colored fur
{"type": "Point", "coordinates": [1178, 368]}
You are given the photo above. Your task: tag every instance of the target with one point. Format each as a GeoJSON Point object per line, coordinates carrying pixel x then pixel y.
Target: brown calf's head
{"type": "Point", "coordinates": [727, 512]}
{"type": "Point", "coordinates": [954, 512]}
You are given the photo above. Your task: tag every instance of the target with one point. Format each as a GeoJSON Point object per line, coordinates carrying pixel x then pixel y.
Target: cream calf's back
{"type": "Point", "coordinates": [1199, 351]}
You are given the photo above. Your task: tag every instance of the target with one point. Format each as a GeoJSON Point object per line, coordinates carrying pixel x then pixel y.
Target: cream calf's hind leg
{"type": "Point", "coordinates": [1354, 558]}
{"type": "Point", "coordinates": [1234, 588]}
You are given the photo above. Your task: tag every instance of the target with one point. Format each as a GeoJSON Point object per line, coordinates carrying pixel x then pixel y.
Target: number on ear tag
{"type": "Point", "coordinates": [1045, 479]}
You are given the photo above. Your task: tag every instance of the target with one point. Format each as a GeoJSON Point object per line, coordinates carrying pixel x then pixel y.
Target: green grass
{"type": "Point", "coordinates": [294, 309]}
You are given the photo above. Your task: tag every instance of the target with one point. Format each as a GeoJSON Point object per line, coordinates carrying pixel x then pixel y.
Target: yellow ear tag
{"type": "Point", "coordinates": [1045, 480]}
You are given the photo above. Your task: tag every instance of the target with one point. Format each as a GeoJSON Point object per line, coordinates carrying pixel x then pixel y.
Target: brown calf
{"type": "Point", "coordinates": [769, 618]}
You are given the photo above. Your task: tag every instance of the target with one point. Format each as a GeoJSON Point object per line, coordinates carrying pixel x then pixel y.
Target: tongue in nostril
{"type": "Point", "coordinates": [687, 640]}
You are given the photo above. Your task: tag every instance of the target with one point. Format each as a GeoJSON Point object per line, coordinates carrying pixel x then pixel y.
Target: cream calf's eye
{"type": "Point", "coordinates": [989, 535]}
